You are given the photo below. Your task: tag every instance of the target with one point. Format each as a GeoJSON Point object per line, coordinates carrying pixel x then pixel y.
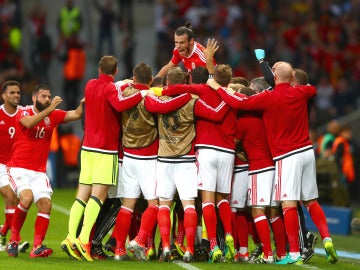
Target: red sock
{"type": "Point", "coordinates": [234, 227]}
{"type": "Point", "coordinates": [319, 219]}
{"type": "Point", "coordinates": [190, 223]}
{"type": "Point", "coordinates": [148, 222]}
{"type": "Point", "coordinates": [9, 213]}
{"type": "Point", "coordinates": [150, 241]}
{"type": "Point", "coordinates": [253, 232]}
{"type": "Point", "coordinates": [210, 220]}
{"type": "Point", "coordinates": [135, 225]}
{"type": "Point", "coordinates": [225, 215]}
{"type": "Point", "coordinates": [164, 223]}
{"type": "Point", "coordinates": [41, 227]}
{"type": "Point", "coordinates": [18, 221]}
{"type": "Point", "coordinates": [180, 227]}
{"type": "Point", "coordinates": [291, 221]}
{"type": "Point", "coordinates": [278, 228]}
{"type": "Point", "coordinates": [262, 227]}
{"type": "Point", "coordinates": [122, 224]}
{"type": "Point", "coordinates": [242, 229]}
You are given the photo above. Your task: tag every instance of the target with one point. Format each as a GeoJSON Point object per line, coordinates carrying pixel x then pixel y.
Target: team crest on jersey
{"type": "Point", "coordinates": [193, 65]}
{"type": "Point", "coordinates": [47, 121]}
{"type": "Point", "coordinates": [25, 113]}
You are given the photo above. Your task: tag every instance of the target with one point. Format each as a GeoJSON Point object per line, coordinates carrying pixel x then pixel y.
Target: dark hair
{"type": "Point", "coordinates": [39, 87]}
{"type": "Point", "coordinates": [199, 75]}
{"type": "Point", "coordinates": [259, 84]}
{"type": "Point", "coordinates": [157, 82]}
{"type": "Point", "coordinates": [247, 91]}
{"type": "Point", "coordinates": [9, 83]}
{"type": "Point", "coordinates": [239, 79]}
{"type": "Point", "coordinates": [186, 29]}
{"type": "Point", "coordinates": [108, 64]}
{"type": "Point", "coordinates": [142, 73]}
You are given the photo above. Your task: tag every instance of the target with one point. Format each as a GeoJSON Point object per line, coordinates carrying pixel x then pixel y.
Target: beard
{"type": "Point", "coordinates": [41, 106]}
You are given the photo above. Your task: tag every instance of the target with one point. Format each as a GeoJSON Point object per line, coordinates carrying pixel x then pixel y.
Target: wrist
{"type": "Point", "coordinates": [211, 76]}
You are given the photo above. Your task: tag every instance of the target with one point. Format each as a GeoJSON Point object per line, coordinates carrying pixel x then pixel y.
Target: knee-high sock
{"type": "Point", "coordinates": [210, 220]}
{"type": "Point", "coordinates": [303, 231]}
{"type": "Point", "coordinates": [76, 214]}
{"type": "Point", "coordinates": [319, 219]}
{"type": "Point", "coordinates": [41, 227]}
{"type": "Point", "coordinates": [164, 223]}
{"type": "Point", "coordinates": [91, 212]}
{"type": "Point", "coordinates": [180, 226]}
{"type": "Point", "coordinates": [148, 222]}
{"type": "Point", "coordinates": [122, 225]}
{"type": "Point", "coordinates": [291, 221]}
{"type": "Point", "coordinates": [234, 227]}
{"type": "Point", "coordinates": [242, 229]}
{"type": "Point", "coordinates": [18, 221]}
{"type": "Point", "coordinates": [190, 223]}
{"type": "Point", "coordinates": [278, 228]}
{"type": "Point", "coordinates": [225, 215]}
{"type": "Point", "coordinates": [9, 213]}
{"type": "Point", "coordinates": [262, 227]}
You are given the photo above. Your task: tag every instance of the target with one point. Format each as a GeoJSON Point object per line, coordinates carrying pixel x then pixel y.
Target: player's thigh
{"type": "Point", "coordinates": [165, 183]}
{"type": "Point", "coordinates": [186, 180]}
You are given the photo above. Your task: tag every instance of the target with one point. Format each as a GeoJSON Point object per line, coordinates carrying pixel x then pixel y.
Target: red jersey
{"type": "Point", "coordinates": [251, 131]}
{"type": "Point", "coordinates": [7, 133]}
{"type": "Point", "coordinates": [195, 59]}
{"type": "Point", "coordinates": [102, 118]}
{"type": "Point", "coordinates": [284, 112]}
{"type": "Point", "coordinates": [31, 147]}
{"type": "Point", "coordinates": [218, 136]}
{"type": "Point", "coordinates": [201, 109]}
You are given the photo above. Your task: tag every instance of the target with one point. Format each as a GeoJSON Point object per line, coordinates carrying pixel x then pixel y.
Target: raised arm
{"type": "Point", "coordinates": [265, 67]}
{"type": "Point", "coordinates": [164, 70]}
{"type": "Point", "coordinates": [210, 50]}
{"type": "Point", "coordinates": [31, 121]}
{"type": "Point", "coordinates": [76, 114]}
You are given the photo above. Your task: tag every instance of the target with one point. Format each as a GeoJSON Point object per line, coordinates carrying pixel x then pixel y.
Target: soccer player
{"type": "Point", "coordinates": [176, 168]}
{"type": "Point", "coordinates": [187, 51]}
{"type": "Point", "coordinates": [99, 154]}
{"type": "Point", "coordinates": [27, 166]}
{"type": "Point", "coordinates": [291, 149]}
{"type": "Point", "coordinates": [11, 96]}
{"type": "Point", "coordinates": [215, 155]}
{"type": "Point", "coordinates": [140, 143]}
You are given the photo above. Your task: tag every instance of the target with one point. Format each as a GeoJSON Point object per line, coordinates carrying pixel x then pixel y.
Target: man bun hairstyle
{"type": "Point", "coordinates": [186, 29]}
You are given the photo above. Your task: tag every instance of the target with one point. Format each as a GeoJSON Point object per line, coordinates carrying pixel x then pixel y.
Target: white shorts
{"type": "Point", "coordinates": [295, 177]}
{"type": "Point", "coordinates": [138, 176]}
{"type": "Point", "coordinates": [114, 191]}
{"type": "Point", "coordinates": [4, 178]}
{"type": "Point", "coordinates": [38, 182]}
{"type": "Point", "coordinates": [215, 170]}
{"type": "Point", "coordinates": [239, 187]}
{"type": "Point", "coordinates": [260, 187]}
{"type": "Point", "coordinates": [176, 176]}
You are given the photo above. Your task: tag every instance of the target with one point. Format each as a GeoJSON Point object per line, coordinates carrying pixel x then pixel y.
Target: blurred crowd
{"type": "Point", "coordinates": [321, 37]}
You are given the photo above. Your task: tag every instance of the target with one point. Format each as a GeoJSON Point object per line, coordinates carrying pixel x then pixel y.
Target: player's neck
{"type": "Point", "coordinates": [9, 108]}
{"type": "Point", "coordinates": [190, 50]}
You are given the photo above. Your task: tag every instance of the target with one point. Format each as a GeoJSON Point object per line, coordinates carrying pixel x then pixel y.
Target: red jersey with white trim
{"type": "Point", "coordinates": [102, 118]}
{"type": "Point", "coordinates": [284, 112]}
{"type": "Point", "coordinates": [218, 136]}
{"type": "Point", "coordinates": [31, 147]}
{"type": "Point", "coordinates": [251, 131]}
{"type": "Point", "coordinates": [7, 133]}
{"type": "Point", "coordinates": [195, 59]}
{"type": "Point", "coordinates": [201, 109]}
